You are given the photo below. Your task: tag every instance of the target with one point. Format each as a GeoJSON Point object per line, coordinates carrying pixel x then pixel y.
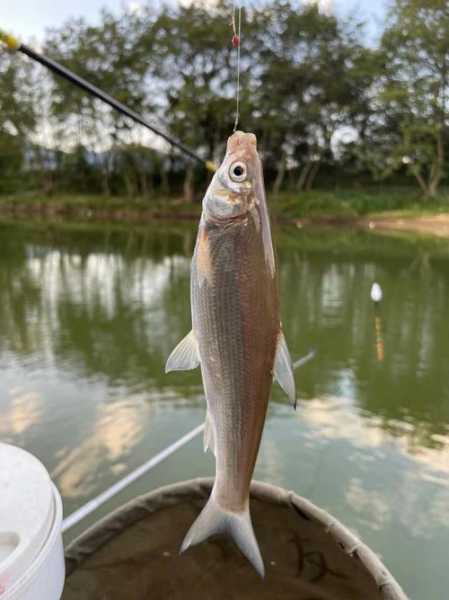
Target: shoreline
{"type": "Point", "coordinates": [428, 223]}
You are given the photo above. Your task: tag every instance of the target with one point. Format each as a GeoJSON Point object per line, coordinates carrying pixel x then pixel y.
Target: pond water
{"type": "Point", "coordinates": [89, 315]}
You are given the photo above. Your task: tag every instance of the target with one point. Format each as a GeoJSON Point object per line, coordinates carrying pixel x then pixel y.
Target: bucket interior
{"type": "Point", "coordinates": [135, 554]}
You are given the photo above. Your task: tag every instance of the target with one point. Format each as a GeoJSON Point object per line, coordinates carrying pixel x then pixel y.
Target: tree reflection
{"type": "Point", "coordinates": [105, 303]}
{"type": "Point", "coordinates": [326, 304]}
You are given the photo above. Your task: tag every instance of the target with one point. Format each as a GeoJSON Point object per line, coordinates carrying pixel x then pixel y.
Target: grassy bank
{"type": "Point", "coordinates": [349, 204]}
{"type": "Point", "coordinates": [341, 205]}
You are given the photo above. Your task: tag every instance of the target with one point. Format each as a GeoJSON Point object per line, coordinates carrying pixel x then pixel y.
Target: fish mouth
{"type": "Point", "coordinates": [240, 141]}
{"type": "Point", "coordinates": [242, 146]}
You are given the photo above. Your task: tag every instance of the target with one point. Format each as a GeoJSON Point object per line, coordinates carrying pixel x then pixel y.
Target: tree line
{"type": "Point", "coordinates": [328, 107]}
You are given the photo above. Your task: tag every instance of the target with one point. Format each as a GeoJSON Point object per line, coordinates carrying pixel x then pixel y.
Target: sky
{"type": "Point", "coordinates": [28, 19]}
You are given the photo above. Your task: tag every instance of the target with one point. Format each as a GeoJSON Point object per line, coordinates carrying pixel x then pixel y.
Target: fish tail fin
{"type": "Point", "coordinates": [237, 525]}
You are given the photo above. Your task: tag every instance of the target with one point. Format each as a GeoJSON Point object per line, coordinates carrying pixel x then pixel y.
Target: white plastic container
{"type": "Point", "coordinates": [31, 549]}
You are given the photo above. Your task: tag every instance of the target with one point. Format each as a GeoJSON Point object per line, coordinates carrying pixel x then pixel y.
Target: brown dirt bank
{"type": "Point", "coordinates": [432, 224]}
{"type": "Point", "coordinates": [437, 225]}
{"type": "Point", "coordinates": [82, 213]}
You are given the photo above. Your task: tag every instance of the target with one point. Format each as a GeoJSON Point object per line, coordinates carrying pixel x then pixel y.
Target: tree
{"type": "Point", "coordinates": [194, 67]}
{"type": "Point", "coordinates": [18, 118]}
{"type": "Point", "coordinates": [412, 99]}
{"type": "Point", "coordinates": [310, 86]}
{"type": "Point", "coordinates": [112, 57]}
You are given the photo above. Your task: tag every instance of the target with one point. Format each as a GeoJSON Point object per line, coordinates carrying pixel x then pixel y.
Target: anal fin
{"type": "Point", "coordinates": [209, 435]}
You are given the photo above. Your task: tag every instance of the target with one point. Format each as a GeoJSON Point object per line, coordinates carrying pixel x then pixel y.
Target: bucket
{"type": "Point", "coordinates": [134, 553]}
{"type": "Point", "coordinates": [31, 549]}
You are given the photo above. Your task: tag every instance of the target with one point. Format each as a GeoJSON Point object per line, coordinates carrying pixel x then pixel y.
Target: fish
{"type": "Point", "coordinates": [236, 338]}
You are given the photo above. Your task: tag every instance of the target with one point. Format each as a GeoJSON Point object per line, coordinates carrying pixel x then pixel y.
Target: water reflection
{"type": "Point", "coordinates": [71, 304]}
{"type": "Point", "coordinates": [338, 418]}
{"type": "Point", "coordinates": [102, 304]}
{"type": "Point", "coordinates": [98, 313]}
{"type": "Point", "coordinates": [410, 383]}
{"type": "Point", "coordinates": [88, 317]}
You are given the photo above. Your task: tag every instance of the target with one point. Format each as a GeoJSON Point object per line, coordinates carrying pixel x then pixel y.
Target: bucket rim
{"type": "Point", "coordinates": [96, 536]}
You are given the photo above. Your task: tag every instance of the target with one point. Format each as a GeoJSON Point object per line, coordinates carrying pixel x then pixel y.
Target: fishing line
{"type": "Point", "coordinates": [236, 44]}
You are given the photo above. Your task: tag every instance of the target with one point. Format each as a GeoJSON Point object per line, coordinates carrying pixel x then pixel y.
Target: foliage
{"type": "Point", "coordinates": [410, 125]}
{"type": "Point", "coordinates": [325, 105]}
{"type": "Point", "coordinates": [18, 116]}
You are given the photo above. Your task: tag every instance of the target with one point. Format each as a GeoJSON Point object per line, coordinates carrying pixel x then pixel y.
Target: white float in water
{"type": "Point", "coordinates": [376, 292]}
{"type": "Point", "coordinates": [31, 549]}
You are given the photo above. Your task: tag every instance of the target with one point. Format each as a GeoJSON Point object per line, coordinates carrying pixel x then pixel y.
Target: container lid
{"type": "Point", "coordinates": [26, 511]}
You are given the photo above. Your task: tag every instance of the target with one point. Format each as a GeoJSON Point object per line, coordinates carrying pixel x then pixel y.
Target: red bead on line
{"type": "Point", "coordinates": [235, 41]}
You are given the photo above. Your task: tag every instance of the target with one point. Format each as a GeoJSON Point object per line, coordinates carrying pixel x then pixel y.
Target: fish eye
{"type": "Point", "coordinates": [237, 171]}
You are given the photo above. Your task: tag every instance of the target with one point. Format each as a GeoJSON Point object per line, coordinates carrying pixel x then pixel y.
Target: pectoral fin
{"type": "Point", "coordinates": [185, 356]}
{"type": "Point", "coordinates": [283, 370]}
{"type": "Point", "coordinates": [209, 435]}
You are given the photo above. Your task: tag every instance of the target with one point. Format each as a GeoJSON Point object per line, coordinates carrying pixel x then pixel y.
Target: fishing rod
{"type": "Point", "coordinates": [14, 44]}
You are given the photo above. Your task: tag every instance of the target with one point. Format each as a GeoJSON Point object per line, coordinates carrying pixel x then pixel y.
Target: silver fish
{"type": "Point", "coordinates": [236, 338]}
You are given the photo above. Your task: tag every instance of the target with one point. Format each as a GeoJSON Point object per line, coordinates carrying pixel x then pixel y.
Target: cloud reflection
{"type": "Point", "coordinates": [24, 410]}
{"type": "Point", "coordinates": [374, 505]}
{"type": "Point", "coordinates": [116, 431]}
{"type": "Point", "coordinates": [337, 418]}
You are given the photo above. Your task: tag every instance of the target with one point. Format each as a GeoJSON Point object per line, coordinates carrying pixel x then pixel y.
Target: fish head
{"type": "Point", "coordinates": [231, 194]}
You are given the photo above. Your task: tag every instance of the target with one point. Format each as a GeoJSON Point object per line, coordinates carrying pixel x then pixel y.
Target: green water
{"type": "Point", "coordinates": [88, 317]}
